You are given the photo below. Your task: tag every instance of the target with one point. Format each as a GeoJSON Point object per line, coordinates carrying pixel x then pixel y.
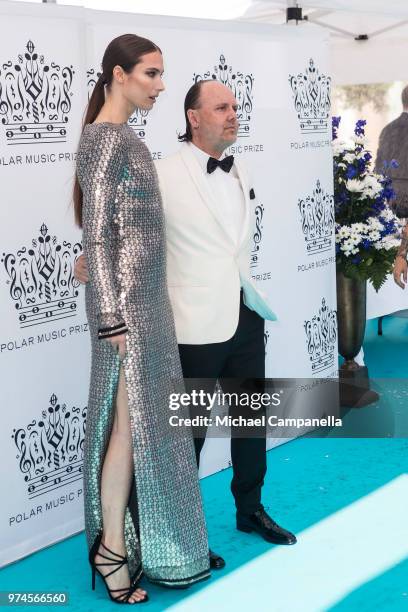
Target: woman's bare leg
{"type": "Point", "coordinates": [117, 475]}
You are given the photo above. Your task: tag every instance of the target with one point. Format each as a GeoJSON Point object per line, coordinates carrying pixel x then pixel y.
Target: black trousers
{"type": "Point", "coordinates": [240, 357]}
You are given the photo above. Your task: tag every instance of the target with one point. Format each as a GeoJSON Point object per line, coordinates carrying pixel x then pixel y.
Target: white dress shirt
{"type": "Point", "coordinates": [227, 191]}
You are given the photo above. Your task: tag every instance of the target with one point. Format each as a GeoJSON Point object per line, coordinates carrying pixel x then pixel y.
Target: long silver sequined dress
{"type": "Point", "coordinates": [124, 243]}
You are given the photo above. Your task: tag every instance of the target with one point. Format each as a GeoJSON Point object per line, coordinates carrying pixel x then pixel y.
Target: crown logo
{"type": "Point", "coordinates": [35, 99]}
{"type": "Point", "coordinates": [41, 279]}
{"type": "Point", "coordinates": [50, 450]}
{"type": "Point", "coordinates": [317, 217]}
{"type": "Point", "coordinates": [321, 334]}
{"type": "Point", "coordinates": [257, 237]}
{"type": "Point", "coordinates": [137, 121]}
{"type": "Point", "coordinates": [311, 96]}
{"type": "Point", "coordinates": [241, 86]}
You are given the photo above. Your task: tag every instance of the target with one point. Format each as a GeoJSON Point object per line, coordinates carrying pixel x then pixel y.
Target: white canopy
{"type": "Point", "coordinates": [380, 59]}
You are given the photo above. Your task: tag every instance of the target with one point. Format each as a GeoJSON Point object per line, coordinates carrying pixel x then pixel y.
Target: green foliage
{"type": "Point", "coordinates": [357, 96]}
{"type": "Point", "coordinates": [374, 266]}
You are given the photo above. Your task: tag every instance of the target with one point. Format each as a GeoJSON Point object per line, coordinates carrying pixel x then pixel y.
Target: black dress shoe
{"type": "Point", "coordinates": [216, 562]}
{"type": "Point", "coordinates": [262, 523]}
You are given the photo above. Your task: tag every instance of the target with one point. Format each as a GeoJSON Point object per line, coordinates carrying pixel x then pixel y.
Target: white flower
{"type": "Point", "coordinates": [369, 193]}
{"type": "Point", "coordinates": [374, 224]}
{"type": "Point", "coordinates": [349, 158]}
{"type": "Point", "coordinates": [374, 235]}
{"type": "Point", "coordinates": [346, 246]}
{"type": "Point", "coordinates": [346, 250]}
{"type": "Point", "coordinates": [354, 185]}
{"type": "Point", "coordinates": [388, 242]}
{"type": "Point", "coordinates": [358, 227]}
{"type": "Point", "coordinates": [372, 185]}
{"type": "Point", "coordinates": [339, 146]}
{"type": "Point", "coordinates": [360, 140]}
{"type": "Point", "coordinates": [387, 214]}
{"type": "Point", "coordinates": [344, 231]}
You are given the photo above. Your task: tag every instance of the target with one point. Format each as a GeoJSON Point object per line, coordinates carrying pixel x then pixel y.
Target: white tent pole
{"type": "Point", "coordinates": [260, 15]}
{"type": "Point", "coordinates": [345, 33]}
{"type": "Point", "coordinates": [388, 28]}
{"type": "Point", "coordinates": [318, 13]}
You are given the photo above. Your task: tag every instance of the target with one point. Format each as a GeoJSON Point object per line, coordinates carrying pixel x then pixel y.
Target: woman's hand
{"type": "Point", "coordinates": [119, 345]}
{"type": "Point", "coordinates": [400, 271]}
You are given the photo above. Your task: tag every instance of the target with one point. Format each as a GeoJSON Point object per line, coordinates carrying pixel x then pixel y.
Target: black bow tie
{"type": "Point", "coordinates": [225, 164]}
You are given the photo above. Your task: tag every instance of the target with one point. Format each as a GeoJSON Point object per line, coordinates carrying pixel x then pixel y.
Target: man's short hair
{"type": "Point", "coordinates": [404, 97]}
{"type": "Point", "coordinates": [192, 101]}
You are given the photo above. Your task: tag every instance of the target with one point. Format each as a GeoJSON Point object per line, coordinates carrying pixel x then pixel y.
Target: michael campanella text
{"type": "Point", "coordinates": [261, 421]}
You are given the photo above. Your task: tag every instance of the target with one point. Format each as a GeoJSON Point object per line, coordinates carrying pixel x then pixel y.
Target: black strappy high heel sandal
{"type": "Point", "coordinates": [118, 562]}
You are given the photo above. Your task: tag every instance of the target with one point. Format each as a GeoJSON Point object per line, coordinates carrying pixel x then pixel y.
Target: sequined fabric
{"type": "Point", "coordinates": [124, 242]}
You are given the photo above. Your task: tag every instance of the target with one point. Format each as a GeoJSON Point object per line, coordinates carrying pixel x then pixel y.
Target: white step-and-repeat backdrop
{"type": "Point", "coordinates": [49, 58]}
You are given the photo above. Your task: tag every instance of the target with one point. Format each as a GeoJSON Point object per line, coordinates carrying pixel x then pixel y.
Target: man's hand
{"type": "Point", "coordinates": [81, 270]}
{"type": "Point", "coordinates": [400, 270]}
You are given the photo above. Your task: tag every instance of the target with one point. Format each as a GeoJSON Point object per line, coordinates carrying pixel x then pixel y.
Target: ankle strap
{"type": "Point", "coordinates": [121, 557]}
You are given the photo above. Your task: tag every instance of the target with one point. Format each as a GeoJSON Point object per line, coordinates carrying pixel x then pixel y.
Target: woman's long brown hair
{"type": "Point", "coordinates": [125, 51]}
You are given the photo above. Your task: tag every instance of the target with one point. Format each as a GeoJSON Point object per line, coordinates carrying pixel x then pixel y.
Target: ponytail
{"type": "Point", "coordinates": [96, 101]}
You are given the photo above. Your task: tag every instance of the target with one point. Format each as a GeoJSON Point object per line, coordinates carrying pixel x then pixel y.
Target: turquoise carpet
{"type": "Point", "coordinates": [312, 486]}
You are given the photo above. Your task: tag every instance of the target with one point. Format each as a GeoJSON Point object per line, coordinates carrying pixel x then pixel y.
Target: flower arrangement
{"type": "Point", "coordinates": [367, 231]}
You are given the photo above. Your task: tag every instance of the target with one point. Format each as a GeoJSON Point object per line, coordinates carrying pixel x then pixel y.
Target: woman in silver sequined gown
{"type": "Point", "coordinates": [128, 306]}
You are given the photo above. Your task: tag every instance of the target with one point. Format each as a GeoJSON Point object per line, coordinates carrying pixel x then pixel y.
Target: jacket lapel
{"type": "Point", "coordinates": [245, 187]}
{"type": "Point", "coordinates": [201, 184]}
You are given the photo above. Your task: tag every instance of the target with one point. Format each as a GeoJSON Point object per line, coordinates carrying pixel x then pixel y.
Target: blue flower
{"type": "Point", "coordinates": [361, 164]}
{"type": "Point", "coordinates": [356, 259]}
{"type": "Point", "coordinates": [394, 163]}
{"type": "Point", "coordinates": [359, 129]}
{"type": "Point", "coordinates": [335, 125]}
{"type": "Point", "coordinates": [388, 193]}
{"type": "Point", "coordinates": [351, 172]}
{"type": "Point", "coordinates": [389, 228]}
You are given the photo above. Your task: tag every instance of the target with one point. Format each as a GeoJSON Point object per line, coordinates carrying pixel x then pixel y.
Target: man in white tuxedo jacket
{"type": "Point", "coordinates": [219, 312]}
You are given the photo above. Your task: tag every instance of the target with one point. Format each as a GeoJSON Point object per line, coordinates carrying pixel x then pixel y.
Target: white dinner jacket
{"type": "Point", "coordinates": [205, 266]}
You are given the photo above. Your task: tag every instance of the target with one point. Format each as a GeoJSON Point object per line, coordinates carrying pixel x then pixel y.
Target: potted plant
{"type": "Point", "coordinates": [367, 238]}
